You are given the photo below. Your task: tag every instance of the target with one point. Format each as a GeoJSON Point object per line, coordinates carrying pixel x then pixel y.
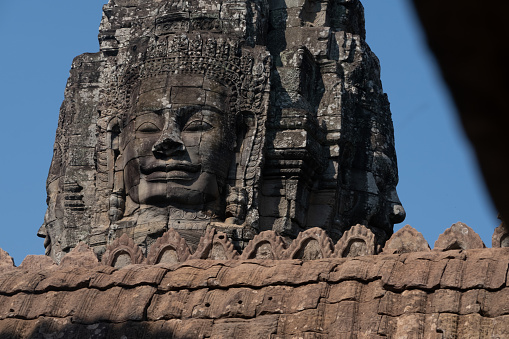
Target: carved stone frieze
{"type": "Point", "coordinates": [310, 244]}
{"type": "Point", "coordinates": [215, 246]}
{"type": "Point", "coordinates": [461, 294]}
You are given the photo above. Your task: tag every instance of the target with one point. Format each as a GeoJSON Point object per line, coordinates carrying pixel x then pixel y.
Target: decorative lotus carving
{"type": "Point", "coordinates": [169, 248]}
{"type": "Point", "coordinates": [310, 244]}
{"type": "Point", "coordinates": [356, 242]}
{"type": "Point", "coordinates": [266, 245]}
{"type": "Point", "coordinates": [215, 246]}
{"type": "Point", "coordinates": [122, 252]}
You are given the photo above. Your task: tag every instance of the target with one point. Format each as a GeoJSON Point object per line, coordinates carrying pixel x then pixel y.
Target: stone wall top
{"type": "Point", "coordinates": [312, 244]}
{"type": "Point", "coordinates": [428, 294]}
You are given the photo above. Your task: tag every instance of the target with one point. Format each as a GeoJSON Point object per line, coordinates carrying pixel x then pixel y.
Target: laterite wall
{"type": "Point", "coordinates": [432, 294]}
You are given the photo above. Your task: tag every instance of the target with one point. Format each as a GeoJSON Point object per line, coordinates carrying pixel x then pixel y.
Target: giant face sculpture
{"type": "Point", "coordinates": [188, 138]}
{"type": "Point", "coordinates": [177, 143]}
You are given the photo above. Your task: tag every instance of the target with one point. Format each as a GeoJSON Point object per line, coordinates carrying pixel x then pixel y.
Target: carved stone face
{"type": "Point", "coordinates": [371, 198]}
{"type": "Point", "coordinates": [386, 208]}
{"type": "Point", "coordinates": [175, 148]}
{"type": "Point", "coordinates": [386, 178]}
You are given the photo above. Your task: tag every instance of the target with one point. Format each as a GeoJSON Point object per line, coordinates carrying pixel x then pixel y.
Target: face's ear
{"type": "Point", "coordinates": [245, 129]}
{"type": "Point", "coordinates": [115, 175]}
{"type": "Point", "coordinates": [113, 152]}
{"type": "Point", "coordinates": [113, 133]}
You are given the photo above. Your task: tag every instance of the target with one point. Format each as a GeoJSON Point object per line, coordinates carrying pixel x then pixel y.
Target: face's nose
{"type": "Point", "coordinates": [397, 213]}
{"type": "Point", "coordinates": [170, 141]}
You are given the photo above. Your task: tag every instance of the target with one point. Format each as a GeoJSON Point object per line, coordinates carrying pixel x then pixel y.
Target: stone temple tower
{"type": "Point", "coordinates": [226, 169]}
{"type": "Point", "coordinates": [239, 115]}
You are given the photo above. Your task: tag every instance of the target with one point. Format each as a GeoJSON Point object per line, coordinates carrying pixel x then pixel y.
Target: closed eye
{"type": "Point", "coordinates": [148, 127]}
{"type": "Point", "coordinates": [196, 126]}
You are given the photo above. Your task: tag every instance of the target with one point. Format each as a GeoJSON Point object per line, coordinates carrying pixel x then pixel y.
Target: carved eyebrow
{"type": "Point", "coordinates": [147, 117]}
{"type": "Point", "coordinates": [187, 111]}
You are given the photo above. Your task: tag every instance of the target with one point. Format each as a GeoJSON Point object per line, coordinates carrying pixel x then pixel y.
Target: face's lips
{"type": "Point", "coordinates": [170, 166]}
{"type": "Point", "coordinates": [172, 170]}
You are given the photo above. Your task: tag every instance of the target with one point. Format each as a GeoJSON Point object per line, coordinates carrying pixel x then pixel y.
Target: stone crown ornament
{"type": "Point", "coordinates": [220, 59]}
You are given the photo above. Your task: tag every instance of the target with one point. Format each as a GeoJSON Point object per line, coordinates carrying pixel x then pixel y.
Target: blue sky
{"type": "Point", "coordinates": [439, 180]}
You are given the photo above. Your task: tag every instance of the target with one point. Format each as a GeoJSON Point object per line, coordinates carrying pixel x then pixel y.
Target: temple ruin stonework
{"type": "Point", "coordinates": [243, 116]}
{"type": "Point", "coordinates": [226, 169]}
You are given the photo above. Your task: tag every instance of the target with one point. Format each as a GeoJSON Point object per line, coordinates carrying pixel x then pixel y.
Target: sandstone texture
{"type": "Point", "coordinates": [312, 288]}
{"type": "Point", "coordinates": [433, 294]}
{"type": "Point", "coordinates": [226, 169]}
{"type": "Point", "coordinates": [240, 115]}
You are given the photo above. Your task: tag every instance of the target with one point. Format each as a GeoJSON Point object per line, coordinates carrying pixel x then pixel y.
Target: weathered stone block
{"type": "Point", "coordinates": [115, 304]}
{"type": "Point", "coordinates": [188, 277]}
{"type": "Point", "coordinates": [304, 321]}
{"type": "Point", "coordinates": [424, 274]}
{"type": "Point", "coordinates": [406, 240]}
{"type": "Point", "coordinates": [445, 301]}
{"type": "Point", "coordinates": [175, 304]}
{"type": "Point", "coordinates": [260, 327]}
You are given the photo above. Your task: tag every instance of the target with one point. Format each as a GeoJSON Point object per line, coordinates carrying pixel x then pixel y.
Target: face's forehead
{"type": "Point", "coordinates": [177, 91]}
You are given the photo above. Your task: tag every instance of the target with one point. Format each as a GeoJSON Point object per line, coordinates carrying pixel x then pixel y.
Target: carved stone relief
{"type": "Point", "coordinates": [247, 116]}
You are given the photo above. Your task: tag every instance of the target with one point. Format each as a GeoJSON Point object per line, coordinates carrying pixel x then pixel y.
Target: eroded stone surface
{"type": "Point", "coordinates": [82, 256]}
{"type": "Point", "coordinates": [420, 294]}
{"type": "Point", "coordinates": [406, 240]}
{"type": "Point", "coordinates": [37, 262]}
{"type": "Point", "coordinates": [215, 246]}
{"type": "Point", "coordinates": [500, 236]}
{"type": "Point", "coordinates": [6, 261]}
{"type": "Point", "coordinates": [251, 116]}
{"type": "Point", "coordinates": [458, 236]}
